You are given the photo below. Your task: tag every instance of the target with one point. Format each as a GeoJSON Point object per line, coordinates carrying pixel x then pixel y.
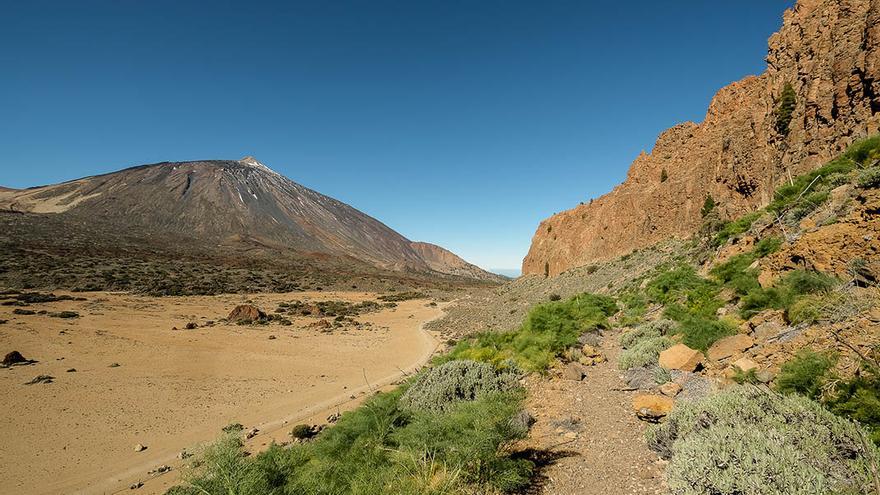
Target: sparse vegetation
{"type": "Point", "coordinates": [787, 102]}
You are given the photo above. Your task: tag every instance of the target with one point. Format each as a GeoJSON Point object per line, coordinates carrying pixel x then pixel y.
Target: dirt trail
{"type": "Point", "coordinates": [176, 389]}
{"type": "Point", "coordinates": [597, 443]}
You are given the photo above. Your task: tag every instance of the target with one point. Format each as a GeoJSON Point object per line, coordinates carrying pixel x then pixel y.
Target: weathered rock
{"type": "Point", "coordinates": [765, 376]}
{"type": "Point", "coordinates": [14, 357]}
{"type": "Point", "coordinates": [767, 330]}
{"type": "Point", "coordinates": [670, 389]}
{"type": "Point", "coordinates": [140, 447]}
{"type": "Point", "coordinates": [590, 338]}
{"type": "Point", "coordinates": [245, 312]}
{"type": "Point", "coordinates": [681, 357]}
{"type": "Point", "coordinates": [729, 346]}
{"type": "Point", "coordinates": [41, 379]}
{"type": "Point", "coordinates": [652, 407]}
{"type": "Point", "coordinates": [745, 365]}
{"type": "Point", "coordinates": [574, 371]}
{"type": "Point", "coordinates": [828, 50]}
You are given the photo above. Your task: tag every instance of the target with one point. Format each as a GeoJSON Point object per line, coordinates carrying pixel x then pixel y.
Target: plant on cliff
{"type": "Point", "coordinates": [787, 102]}
{"type": "Point", "coordinates": [708, 206]}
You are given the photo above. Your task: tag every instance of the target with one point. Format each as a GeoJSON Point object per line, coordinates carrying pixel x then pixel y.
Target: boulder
{"type": "Point", "coordinates": [574, 371]}
{"type": "Point", "coordinates": [652, 407]}
{"type": "Point", "coordinates": [670, 389]}
{"type": "Point", "coordinates": [745, 365]}
{"type": "Point", "coordinates": [729, 346]}
{"type": "Point", "coordinates": [681, 357]}
{"type": "Point", "coordinates": [765, 376]}
{"type": "Point", "coordinates": [245, 312]}
{"type": "Point", "coordinates": [767, 330]}
{"type": "Point", "coordinates": [14, 357]}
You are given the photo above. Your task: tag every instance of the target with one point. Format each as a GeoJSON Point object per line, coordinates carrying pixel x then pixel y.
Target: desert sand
{"type": "Point", "coordinates": [138, 381]}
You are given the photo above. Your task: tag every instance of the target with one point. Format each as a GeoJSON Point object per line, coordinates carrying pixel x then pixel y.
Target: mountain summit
{"type": "Point", "coordinates": [239, 204]}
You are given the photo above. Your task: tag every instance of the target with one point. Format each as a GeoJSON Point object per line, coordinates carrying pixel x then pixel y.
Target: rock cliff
{"type": "Point", "coordinates": [827, 50]}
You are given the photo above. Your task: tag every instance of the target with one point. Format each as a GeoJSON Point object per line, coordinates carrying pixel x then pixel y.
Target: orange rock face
{"type": "Point", "coordinates": [828, 50]}
{"type": "Point", "coordinates": [681, 357]}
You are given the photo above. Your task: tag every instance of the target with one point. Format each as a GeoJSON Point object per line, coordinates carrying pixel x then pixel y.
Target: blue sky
{"type": "Point", "coordinates": [462, 123]}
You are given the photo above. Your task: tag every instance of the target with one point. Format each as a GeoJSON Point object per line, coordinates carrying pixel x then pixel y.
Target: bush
{"type": "Point", "coordinates": [865, 151]}
{"type": "Point", "coordinates": [548, 330]}
{"type": "Point", "coordinates": [735, 228]}
{"type": "Point", "coordinates": [302, 432]}
{"type": "Point", "coordinates": [749, 441]}
{"type": "Point", "coordinates": [787, 102]}
{"type": "Point", "coordinates": [647, 330]}
{"type": "Point", "coordinates": [805, 374]}
{"type": "Point", "coordinates": [708, 206]}
{"type": "Point", "coordinates": [555, 297]}
{"type": "Point", "coordinates": [786, 292]}
{"type": "Point", "coordinates": [224, 469]}
{"type": "Point", "coordinates": [869, 178]}
{"type": "Point", "coordinates": [442, 387]}
{"type": "Point", "coordinates": [643, 353]}
{"type": "Point", "coordinates": [700, 333]}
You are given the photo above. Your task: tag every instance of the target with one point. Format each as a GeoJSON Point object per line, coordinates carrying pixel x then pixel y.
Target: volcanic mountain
{"type": "Point", "coordinates": [240, 205]}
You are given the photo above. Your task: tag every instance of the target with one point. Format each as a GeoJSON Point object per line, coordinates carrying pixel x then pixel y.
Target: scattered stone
{"type": "Point", "coordinates": [19, 311]}
{"type": "Point", "coordinates": [173, 328]}
{"type": "Point", "coordinates": [767, 330]}
{"type": "Point", "coordinates": [64, 314]}
{"type": "Point", "coordinates": [670, 389]}
{"type": "Point", "coordinates": [245, 312]}
{"type": "Point", "coordinates": [574, 371]}
{"type": "Point", "coordinates": [251, 433]}
{"type": "Point", "coordinates": [729, 346]}
{"type": "Point", "coordinates": [651, 407]}
{"type": "Point", "coordinates": [333, 418]}
{"type": "Point", "coordinates": [522, 421]}
{"type": "Point", "coordinates": [191, 325]}
{"type": "Point", "coordinates": [113, 365]}
{"type": "Point", "coordinates": [71, 370]}
{"type": "Point", "coordinates": [135, 486]}
{"type": "Point", "coordinates": [681, 357]}
{"type": "Point", "coordinates": [183, 454]}
{"type": "Point", "coordinates": [765, 376]}
{"type": "Point", "coordinates": [41, 379]}
{"type": "Point", "coordinates": [3, 322]}
{"type": "Point", "coordinates": [272, 337]}
{"type": "Point", "coordinates": [322, 324]}
{"type": "Point", "coordinates": [159, 470]}
{"type": "Point", "coordinates": [745, 364]}
{"type": "Point", "coordinates": [140, 447]}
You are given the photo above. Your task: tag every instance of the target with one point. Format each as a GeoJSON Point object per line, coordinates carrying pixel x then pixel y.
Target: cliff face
{"type": "Point", "coordinates": [829, 51]}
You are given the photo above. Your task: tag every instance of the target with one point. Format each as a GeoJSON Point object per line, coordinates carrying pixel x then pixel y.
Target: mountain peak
{"type": "Point", "coordinates": [253, 162]}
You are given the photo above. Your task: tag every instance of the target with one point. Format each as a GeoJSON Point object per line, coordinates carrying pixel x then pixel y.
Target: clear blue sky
{"type": "Point", "coordinates": [462, 123]}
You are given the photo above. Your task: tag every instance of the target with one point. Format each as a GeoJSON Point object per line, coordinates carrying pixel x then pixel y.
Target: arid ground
{"type": "Point", "coordinates": [123, 376]}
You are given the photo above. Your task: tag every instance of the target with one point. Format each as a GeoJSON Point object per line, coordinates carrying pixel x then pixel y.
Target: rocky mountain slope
{"type": "Point", "coordinates": [828, 52]}
{"type": "Point", "coordinates": [445, 261]}
{"type": "Point", "coordinates": [241, 207]}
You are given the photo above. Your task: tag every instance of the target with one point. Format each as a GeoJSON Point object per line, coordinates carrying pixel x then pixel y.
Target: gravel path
{"type": "Point", "coordinates": [596, 443]}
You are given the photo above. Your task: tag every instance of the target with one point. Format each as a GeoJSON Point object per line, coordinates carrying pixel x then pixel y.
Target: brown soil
{"type": "Point", "coordinates": [175, 389]}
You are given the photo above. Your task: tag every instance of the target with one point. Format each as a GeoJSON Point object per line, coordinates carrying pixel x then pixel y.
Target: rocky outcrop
{"type": "Point", "coordinates": [829, 51]}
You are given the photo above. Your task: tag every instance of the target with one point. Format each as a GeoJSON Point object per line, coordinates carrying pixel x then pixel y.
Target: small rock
{"type": "Point", "coordinates": [272, 337]}
{"type": "Point", "coordinates": [183, 454]}
{"type": "Point", "coordinates": [113, 365]}
{"type": "Point", "coordinates": [333, 418]}
{"type": "Point", "coordinates": [191, 326]}
{"type": "Point", "coordinates": [591, 339]}
{"type": "Point", "coordinates": [71, 370]}
{"type": "Point", "coordinates": [574, 371]}
{"type": "Point", "coordinates": [135, 486]}
{"type": "Point", "coordinates": [670, 389]}
{"type": "Point", "coordinates": [140, 448]}
{"type": "Point", "coordinates": [641, 378]}
{"type": "Point", "coordinates": [765, 376]}
{"type": "Point", "coordinates": [159, 470]}
{"type": "Point", "coordinates": [681, 357]}
{"type": "Point", "coordinates": [522, 421]}
{"type": "Point", "coordinates": [728, 346]}
{"type": "Point", "coordinates": [767, 330]}
{"type": "Point", "coordinates": [251, 433]}
{"type": "Point", "coordinates": [652, 407]}
{"type": "Point", "coordinates": [745, 364]}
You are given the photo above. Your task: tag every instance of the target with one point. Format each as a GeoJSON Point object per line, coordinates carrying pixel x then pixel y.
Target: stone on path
{"type": "Point", "coordinates": [681, 357]}
{"type": "Point", "coordinates": [652, 407]}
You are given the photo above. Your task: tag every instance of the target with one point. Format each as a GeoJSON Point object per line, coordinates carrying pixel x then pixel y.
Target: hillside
{"type": "Point", "coordinates": [827, 51]}
{"type": "Point", "coordinates": [222, 211]}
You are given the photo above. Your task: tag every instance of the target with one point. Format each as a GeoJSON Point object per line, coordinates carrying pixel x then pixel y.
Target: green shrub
{"type": "Point", "coordinates": [442, 387]}
{"type": "Point", "coordinates": [805, 310]}
{"type": "Point", "coordinates": [747, 440]}
{"type": "Point", "coordinates": [708, 206]}
{"type": "Point", "coordinates": [869, 178]}
{"type": "Point", "coordinates": [548, 330]}
{"type": "Point", "coordinates": [786, 292]}
{"type": "Point", "coordinates": [643, 353]}
{"type": "Point", "coordinates": [802, 282]}
{"type": "Point", "coordinates": [787, 102]}
{"type": "Point", "coordinates": [809, 190]}
{"type": "Point", "coordinates": [223, 469]}
{"type": "Point", "coordinates": [301, 432]}
{"type": "Point", "coordinates": [806, 373]}
{"type": "Point", "coordinates": [859, 399]}
{"type": "Point", "coordinates": [700, 333]}
{"type": "Point", "coordinates": [864, 151]}
{"type": "Point", "coordinates": [645, 331]}
{"type": "Point", "coordinates": [735, 228]}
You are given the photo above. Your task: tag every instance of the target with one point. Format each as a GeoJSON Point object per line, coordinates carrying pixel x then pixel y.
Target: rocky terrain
{"type": "Point", "coordinates": [827, 51]}
{"type": "Point", "coordinates": [218, 226]}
